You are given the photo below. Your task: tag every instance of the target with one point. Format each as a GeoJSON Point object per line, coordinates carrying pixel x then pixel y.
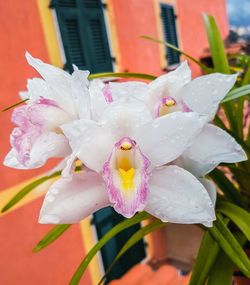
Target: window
{"type": "Point", "coordinates": [169, 31]}
{"type": "Point", "coordinates": [83, 33]}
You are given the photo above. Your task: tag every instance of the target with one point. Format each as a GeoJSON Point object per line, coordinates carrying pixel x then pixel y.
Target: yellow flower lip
{"type": "Point", "coordinates": [170, 103]}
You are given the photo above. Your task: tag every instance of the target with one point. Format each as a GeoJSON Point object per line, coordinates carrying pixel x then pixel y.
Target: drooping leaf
{"type": "Point", "coordinates": [229, 244]}
{"type": "Point", "coordinates": [137, 236]}
{"type": "Point", "coordinates": [51, 236]}
{"type": "Point", "coordinates": [122, 75]}
{"type": "Point", "coordinates": [236, 214]}
{"type": "Point", "coordinates": [205, 259]}
{"type": "Point", "coordinates": [114, 231]}
{"type": "Point", "coordinates": [27, 189]}
{"type": "Point", "coordinates": [204, 67]}
{"type": "Point", "coordinates": [237, 93]}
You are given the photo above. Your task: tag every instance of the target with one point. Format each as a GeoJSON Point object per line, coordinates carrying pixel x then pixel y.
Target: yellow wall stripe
{"type": "Point", "coordinates": [50, 34]}
{"type": "Point", "coordinates": [89, 241]}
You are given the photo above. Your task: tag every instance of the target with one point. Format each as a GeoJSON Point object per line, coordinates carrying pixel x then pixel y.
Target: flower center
{"type": "Point", "coordinates": [167, 105]}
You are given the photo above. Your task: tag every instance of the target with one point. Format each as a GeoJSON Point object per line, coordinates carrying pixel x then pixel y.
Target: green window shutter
{"type": "Point", "coordinates": [84, 36]}
{"type": "Point", "coordinates": [104, 220]}
{"type": "Point", "coordinates": [169, 29]}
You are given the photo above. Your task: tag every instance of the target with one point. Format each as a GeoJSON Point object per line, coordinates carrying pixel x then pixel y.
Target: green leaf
{"type": "Point", "coordinates": [122, 75]}
{"type": "Point", "coordinates": [133, 240]}
{"type": "Point", "coordinates": [229, 244]}
{"type": "Point", "coordinates": [51, 236]}
{"type": "Point", "coordinates": [27, 189]}
{"type": "Point", "coordinates": [14, 105]}
{"type": "Point", "coordinates": [216, 45]}
{"type": "Point", "coordinates": [237, 93]}
{"type": "Point", "coordinates": [204, 67]}
{"type": "Point", "coordinates": [115, 230]}
{"type": "Point", "coordinates": [227, 187]}
{"type": "Point", "coordinates": [222, 271]}
{"type": "Point", "coordinates": [223, 268]}
{"type": "Point", "coordinates": [238, 215]}
{"type": "Point", "coordinates": [206, 257]}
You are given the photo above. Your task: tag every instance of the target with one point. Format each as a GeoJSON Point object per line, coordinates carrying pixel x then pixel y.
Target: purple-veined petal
{"type": "Point", "coordinates": [176, 196]}
{"type": "Point", "coordinates": [165, 138]}
{"type": "Point", "coordinates": [126, 175]}
{"type": "Point", "coordinates": [203, 94]}
{"type": "Point", "coordinates": [69, 201]}
{"type": "Point", "coordinates": [211, 147]}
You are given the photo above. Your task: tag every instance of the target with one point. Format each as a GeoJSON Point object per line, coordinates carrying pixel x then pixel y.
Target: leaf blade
{"type": "Point", "coordinates": [51, 236]}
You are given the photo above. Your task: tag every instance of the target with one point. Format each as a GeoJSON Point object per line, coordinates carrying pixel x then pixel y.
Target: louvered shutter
{"type": "Point", "coordinates": [83, 33]}
{"type": "Point", "coordinates": [104, 221]}
{"type": "Point", "coordinates": [169, 29]}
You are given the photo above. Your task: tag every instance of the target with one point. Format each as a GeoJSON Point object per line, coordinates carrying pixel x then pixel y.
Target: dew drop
{"type": "Point", "coordinates": [50, 198]}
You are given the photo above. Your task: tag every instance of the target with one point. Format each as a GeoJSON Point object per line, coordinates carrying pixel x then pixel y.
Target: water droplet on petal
{"type": "Point", "coordinates": [54, 190]}
{"type": "Point", "coordinates": [50, 198]}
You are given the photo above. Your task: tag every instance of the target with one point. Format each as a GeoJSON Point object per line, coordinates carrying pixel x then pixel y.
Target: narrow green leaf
{"type": "Point", "coordinates": [51, 236]}
{"type": "Point", "coordinates": [122, 75]}
{"type": "Point", "coordinates": [133, 240]}
{"type": "Point", "coordinates": [204, 67]}
{"type": "Point", "coordinates": [238, 215]}
{"type": "Point", "coordinates": [237, 93]}
{"type": "Point", "coordinates": [228, 188]}
{"type": "Point", "coordinates": [14, 105]}
{"type": "Point", "coordinates": [115, 230]}
{"type": "Point", "coordinates": [222, 271]}
{"type": "Point", "coordinates": [27, 189]}
{"type": "Point", "coordinates": [223, 268]}
{"type": "Point", "coordinates": [230, 245]}
{"type": "Point", "coordinates": [216, 45]}
{"type": "Point", "coordinates": [206, 257]}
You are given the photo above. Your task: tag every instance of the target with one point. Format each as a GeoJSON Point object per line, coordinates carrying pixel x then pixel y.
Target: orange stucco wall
{"type": "Point", "coordinates": [191, 28]}
{"type": "Point", "coordinates": [20, 30]}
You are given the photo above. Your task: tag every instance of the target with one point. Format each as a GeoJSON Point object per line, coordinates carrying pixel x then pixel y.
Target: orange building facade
{"type": "Point", "coordinates": [31, 25]}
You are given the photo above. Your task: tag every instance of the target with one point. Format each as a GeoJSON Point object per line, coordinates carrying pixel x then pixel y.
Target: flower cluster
{"type": "Point", "coordinates": [141, 146]}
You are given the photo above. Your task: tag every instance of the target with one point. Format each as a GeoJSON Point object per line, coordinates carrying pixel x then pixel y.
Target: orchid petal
{"type": "Point", "coordinates": [80, 93]}
{"type": "Point", "coordinates": [211, 147]}
{"type": "Point", "coordinates": [69, 201]}
{"type": "Point", "coordinates": [176, 196]}
{"type": "Point", "coordinates": [91, 143]}
{"type": "Point", "coordinates": [47, 145]}
{"type": "Point", "coordinates": [210, 187]}
{"type": "Point", "coordinates": [169, 84]}
{"type": "Point", "coordinates": [97, 99]}
{"type": "Point", "coordinates": [128, 90]}
{"type": "Point", "coordinates": [165, 138]}
{"type": "Point", "coordinates": [204, 93]}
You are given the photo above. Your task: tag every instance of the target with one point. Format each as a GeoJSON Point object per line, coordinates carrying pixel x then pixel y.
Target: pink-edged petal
{"type": "Point", "coordinates": [165, 138]}
{"type": "Point", "coordinates": [211, 147]}
{"type": "Point", "coordinates": [204, 93]}
{"type": "Point", "coordinates": [176, 196]}
{"type": "Point", "coordinates": [168, 84]}
{"type": "Point", "coordinates": [126, 175]}
{"type": "Point", "coordinates": [69, 201]}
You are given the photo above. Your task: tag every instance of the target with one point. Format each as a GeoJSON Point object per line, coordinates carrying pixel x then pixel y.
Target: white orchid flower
{"type": "Point", "coordinates": [127, 152]}
{"type": "Point", "coordinates": [56, 99]}
{"type": "Point", "coordinates": [175, 91]}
